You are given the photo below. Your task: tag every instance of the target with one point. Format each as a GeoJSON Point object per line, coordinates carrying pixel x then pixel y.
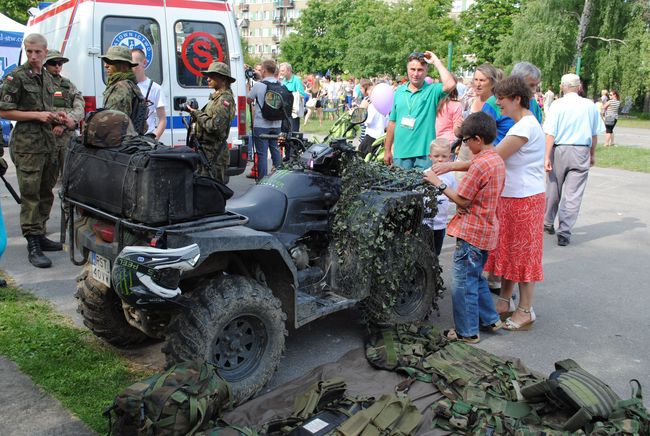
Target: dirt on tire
{"type": "Point", "coordinates": [102, 312]}
{"type": "Point", "coordinates": [235, 323]}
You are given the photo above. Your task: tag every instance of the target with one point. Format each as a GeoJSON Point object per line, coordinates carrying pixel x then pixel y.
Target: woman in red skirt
{"type": "Point", "coordinates": [518, 256]}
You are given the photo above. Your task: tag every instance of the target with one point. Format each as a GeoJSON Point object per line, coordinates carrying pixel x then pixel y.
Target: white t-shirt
{"type": "Point", "coordinates": [439, 222]}
{"type": "Point", "coordinates": [525, 168]}
{"type": "Point", "coordinates": [157, 99]}
{"type": "Point", "coordinates": [375, 123]}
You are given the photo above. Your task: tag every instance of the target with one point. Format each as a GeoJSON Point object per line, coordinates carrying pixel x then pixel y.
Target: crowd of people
{"type": "Point", "coordinates": [522, 165]}
{"type": "Point", "coordinates": [518, 168]}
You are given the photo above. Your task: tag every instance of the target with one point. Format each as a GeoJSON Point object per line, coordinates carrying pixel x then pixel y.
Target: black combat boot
{"type": "Point", "coordinates": [36, 256]}
{"type": "Point", "coordinates": [50, 245]}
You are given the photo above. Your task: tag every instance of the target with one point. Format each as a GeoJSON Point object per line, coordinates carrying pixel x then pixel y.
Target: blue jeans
{"type": "Point", "coordinates": [408, 163]}
{"type": "Point", "coordinates": [262, 147]}
{"type": "Point", "coordinates": [471, 297]}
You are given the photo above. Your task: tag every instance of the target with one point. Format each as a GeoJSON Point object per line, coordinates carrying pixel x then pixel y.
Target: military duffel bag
{"type": "Point", "coordinates": [180, 401]}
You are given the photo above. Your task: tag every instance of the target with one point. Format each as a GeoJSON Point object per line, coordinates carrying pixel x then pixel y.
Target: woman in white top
{"type": "Point", "coordinates": [518, 256]}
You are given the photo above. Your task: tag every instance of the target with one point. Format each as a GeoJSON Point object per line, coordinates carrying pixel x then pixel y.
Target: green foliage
{"type": "Point", "coordinates": [367, 37]}
{"type": "Point", "coordinates": [375, 233]}
{"type": "Point", "coordinates": [17, 9]}
{"type": "Point", "coordinates": [543, 33]}
{"type": "Point", "coordinates": [249, 59]}
{"type": "Point", "coordinates": [485, 24]}
{"type": "Point", "coordinates": [625, 158]}
{"type": "Point", "coordinates": [63, 359]}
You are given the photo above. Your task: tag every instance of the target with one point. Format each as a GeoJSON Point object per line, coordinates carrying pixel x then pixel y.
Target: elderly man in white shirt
{"type": "Point", "coordinates": [572, 126]}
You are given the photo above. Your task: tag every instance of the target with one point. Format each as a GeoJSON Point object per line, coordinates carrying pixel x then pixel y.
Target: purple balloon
{"type": "Point", "coordinates": [382, 96]}
{"type": "Point", "coordinates": [429, 80]}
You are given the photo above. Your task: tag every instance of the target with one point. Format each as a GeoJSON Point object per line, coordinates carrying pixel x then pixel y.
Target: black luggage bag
{"type": "Point", "coordinates": [140, 184]}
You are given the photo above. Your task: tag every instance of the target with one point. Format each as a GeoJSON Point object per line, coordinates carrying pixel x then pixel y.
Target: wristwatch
{"type": "Point", "coordinates": [442, 187]}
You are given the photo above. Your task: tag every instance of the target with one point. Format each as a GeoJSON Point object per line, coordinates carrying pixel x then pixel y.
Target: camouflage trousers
{"type": "Point", "coordinates": [37, 175]}
{"type": "Point", "coordinates": [219, 158]}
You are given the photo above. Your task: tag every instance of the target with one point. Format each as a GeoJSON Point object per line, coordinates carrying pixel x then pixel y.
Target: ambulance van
{"type": "Point", "coordinates": [179, 38]}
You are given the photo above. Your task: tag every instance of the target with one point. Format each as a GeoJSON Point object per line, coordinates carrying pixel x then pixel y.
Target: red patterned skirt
{"type": "Point", "coordinates": [518, 256]}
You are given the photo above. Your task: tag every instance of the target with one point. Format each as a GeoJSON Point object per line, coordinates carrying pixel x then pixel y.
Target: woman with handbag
{"type": "Point", "coordinates": [611, 116]}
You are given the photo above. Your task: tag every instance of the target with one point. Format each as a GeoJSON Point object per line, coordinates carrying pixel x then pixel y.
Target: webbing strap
{"type": "Point", "coordinates": [389, 347]}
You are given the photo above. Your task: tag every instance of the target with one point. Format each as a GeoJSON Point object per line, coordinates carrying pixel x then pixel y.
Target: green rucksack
{"type": "Point", "coordinates": [179, 401]}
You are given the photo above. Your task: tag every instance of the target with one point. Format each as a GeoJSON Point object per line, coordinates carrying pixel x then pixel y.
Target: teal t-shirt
{"type": "Point", "coordinates": [420, 106]}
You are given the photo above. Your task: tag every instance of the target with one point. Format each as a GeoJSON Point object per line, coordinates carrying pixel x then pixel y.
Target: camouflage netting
{"type": "Point", "coordinates": [379, 237]}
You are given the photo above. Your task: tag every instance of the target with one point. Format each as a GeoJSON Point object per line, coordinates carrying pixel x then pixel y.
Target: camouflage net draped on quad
{"type": "Point", "coordinates": [380, 240]}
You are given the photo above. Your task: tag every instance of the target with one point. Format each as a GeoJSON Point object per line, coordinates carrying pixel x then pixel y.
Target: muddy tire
{"type": "Point", "coordinates": [236, 324]}
{"type": "Point", "coordinates": [102, 312]}
{"type": "Point", "coordinates": [416, 297]}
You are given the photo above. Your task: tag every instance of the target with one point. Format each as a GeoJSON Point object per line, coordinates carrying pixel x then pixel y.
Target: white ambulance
{"type": "Point", "coordinates": [179, 38]}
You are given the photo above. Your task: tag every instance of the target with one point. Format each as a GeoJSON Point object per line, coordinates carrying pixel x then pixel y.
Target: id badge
{"type": "Point", "coordinates": [408, 122]}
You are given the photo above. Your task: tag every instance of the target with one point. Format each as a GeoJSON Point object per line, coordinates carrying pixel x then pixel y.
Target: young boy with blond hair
{"type": "Point", "coordinates": [476, 228]}
{"type": "Point", "coordinates": [440, 151]}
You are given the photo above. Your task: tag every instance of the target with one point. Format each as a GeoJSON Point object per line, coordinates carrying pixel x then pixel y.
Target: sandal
{"type": "Point", "coordinates": [515, 327]}
{"type": "Point", "coordinates": [492, 327]}
{"type": "Point", "coordinates": [511, 308]}
{"type": "Point", "coordinates": [452, 335]}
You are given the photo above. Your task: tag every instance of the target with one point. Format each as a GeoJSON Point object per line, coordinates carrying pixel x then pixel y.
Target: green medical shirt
{"type": "Point", "coordinates": [421, 105]}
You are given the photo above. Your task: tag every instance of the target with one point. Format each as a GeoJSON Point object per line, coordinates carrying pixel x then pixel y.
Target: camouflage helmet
{"type": "Point", "coordinates": [221, 69]}
{"type": "Point", "coordinates": [119, 53]}
{"type": "Point", "coordinates": [55, 55]}
{"type": "Point", "coordinates": [107, 129]}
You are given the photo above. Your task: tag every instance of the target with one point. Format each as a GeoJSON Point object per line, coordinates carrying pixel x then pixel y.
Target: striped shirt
{"type": "Point", "coordinates": [483, 185]}
{"type": "Point", "coordinates": [612, 108]}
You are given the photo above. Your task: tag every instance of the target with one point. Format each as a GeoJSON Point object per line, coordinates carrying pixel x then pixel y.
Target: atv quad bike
{"type": "Point", "coordinates": [226, 287]}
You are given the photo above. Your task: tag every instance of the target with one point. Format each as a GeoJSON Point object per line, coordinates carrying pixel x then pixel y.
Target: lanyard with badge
{"type": "Point", "coordinates": [408, 121]}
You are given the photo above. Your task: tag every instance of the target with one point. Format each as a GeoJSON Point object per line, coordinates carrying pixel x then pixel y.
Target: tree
{"type": "Point", "coordinates": [367, 37]}
{"type": "Point", "coordinates": [17, 9]}
{"type": "Point", "coordinates": [485, 24]}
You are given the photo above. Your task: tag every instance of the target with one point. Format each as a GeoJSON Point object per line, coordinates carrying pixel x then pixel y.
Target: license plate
{"type": "Point", "coordinates": [101, 269]}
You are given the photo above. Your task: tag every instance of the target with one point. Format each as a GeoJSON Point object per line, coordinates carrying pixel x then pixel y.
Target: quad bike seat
{"type": "Point", "coordinates": [264, 206]}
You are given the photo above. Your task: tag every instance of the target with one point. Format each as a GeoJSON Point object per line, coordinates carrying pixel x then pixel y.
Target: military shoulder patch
{"type": "Point", "coordinates": [226, 103]}
{"type": "Point", "coordinates": [9, 78]}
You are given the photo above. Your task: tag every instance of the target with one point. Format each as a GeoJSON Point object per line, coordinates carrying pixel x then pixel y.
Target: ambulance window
{"type": "Point", "coordinates": [142, 33]}
{"type": "Point", "coordinates": [198, 44]}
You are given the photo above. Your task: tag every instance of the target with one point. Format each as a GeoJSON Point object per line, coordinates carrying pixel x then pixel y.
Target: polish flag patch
{"type": "Point", "coordinates": [58, 94]}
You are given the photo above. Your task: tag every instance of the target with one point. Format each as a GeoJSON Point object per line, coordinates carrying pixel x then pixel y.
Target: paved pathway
{"type": "Point", "coordinates": [630, 136]}
{"type": "Point", "coordinates": [592, 305]}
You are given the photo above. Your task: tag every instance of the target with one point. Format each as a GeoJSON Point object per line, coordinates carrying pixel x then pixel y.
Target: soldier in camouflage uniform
{"type": "Point", "coordinates": [68, 99]}
{"type": "Point", "coordinates": [212, 123]}
{"type": "Point", "coordinates": [27, 97]}
{"type": "Point", "coordinates": [122, 87]}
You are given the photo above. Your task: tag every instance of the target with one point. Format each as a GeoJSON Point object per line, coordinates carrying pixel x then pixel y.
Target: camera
{"type": "Point", "coordinates": [250, 74]}
{"type": "Point", "coordinates": [191, 103]}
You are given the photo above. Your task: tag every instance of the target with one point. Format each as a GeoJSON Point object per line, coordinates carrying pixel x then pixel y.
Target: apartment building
{"type": "Point", "coordinates": [263, 23]}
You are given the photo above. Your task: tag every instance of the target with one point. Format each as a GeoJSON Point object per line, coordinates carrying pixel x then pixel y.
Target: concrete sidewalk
{"type": "Point", "coordinates": [629, 136]}
{"type": "Point", "coordinates": [592, 306]}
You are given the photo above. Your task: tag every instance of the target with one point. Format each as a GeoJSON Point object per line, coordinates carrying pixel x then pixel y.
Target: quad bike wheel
{"type": "Point", "coordinates": [415, 299]}
{"type": "Point", "coordinates": [235, 323]}
{"type": "Point", "coordinates": [102, 312]}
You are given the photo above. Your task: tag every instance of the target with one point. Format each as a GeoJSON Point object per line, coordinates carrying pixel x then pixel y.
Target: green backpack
{"type": "Point", "coordinates": [177, 402]}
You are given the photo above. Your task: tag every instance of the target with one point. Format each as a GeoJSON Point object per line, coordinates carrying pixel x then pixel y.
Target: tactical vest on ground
{"type": "Point", "coordinates": [324, 409]}
{"type": "Point", "coordinates": [486, 394]}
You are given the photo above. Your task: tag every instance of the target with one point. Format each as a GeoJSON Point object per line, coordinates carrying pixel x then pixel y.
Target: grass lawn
{"type": "Point", "coordinates": [70, 363]}
{"type": "Point", "coordinates": [633, 122]}
{"type": "Point", "coordinates": [625, 158]}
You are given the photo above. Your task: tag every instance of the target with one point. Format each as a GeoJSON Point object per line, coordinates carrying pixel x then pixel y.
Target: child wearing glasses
{"type": "Point", "coordinates": [476, 228]}
{"type": "Point", "coordinates": [440, 151]}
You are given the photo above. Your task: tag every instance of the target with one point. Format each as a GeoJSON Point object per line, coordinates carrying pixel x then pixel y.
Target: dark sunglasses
{"type": "Point", "coordinates": [416, 55]}
{"type": "Point", "coordinates": [467, 139]}
{"type": "Point", "coordinates": [55, 63]}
